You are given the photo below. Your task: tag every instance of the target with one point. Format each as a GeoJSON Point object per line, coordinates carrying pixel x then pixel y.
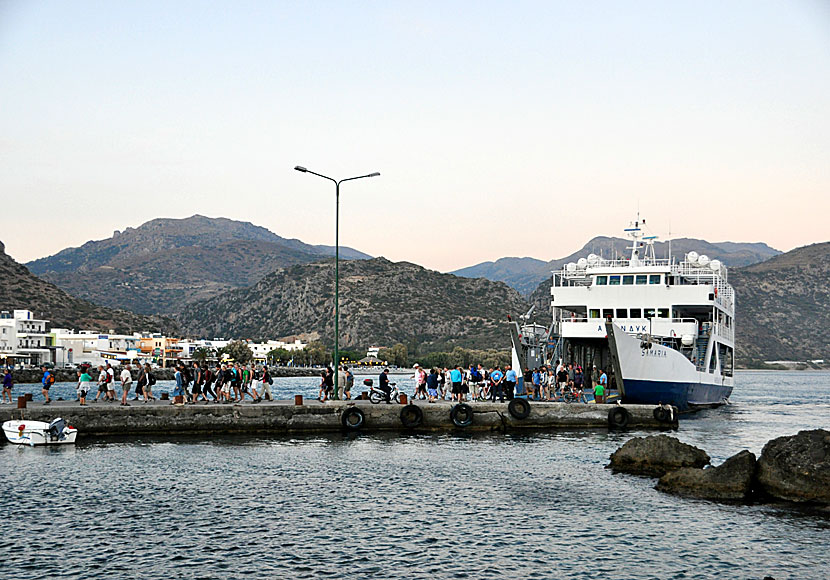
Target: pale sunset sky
{"type": "Point", "coordinates": [519, 128]}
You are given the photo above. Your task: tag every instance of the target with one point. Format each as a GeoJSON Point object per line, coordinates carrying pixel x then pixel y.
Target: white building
{"type": "Point", "coordinates": [23, 339]}
{"type": "Point", "coordinates": [189, 346]}
{"type": "Point", "coordinates": [261, 349]}
{"type": "Point", "coordinates": [87, 346]}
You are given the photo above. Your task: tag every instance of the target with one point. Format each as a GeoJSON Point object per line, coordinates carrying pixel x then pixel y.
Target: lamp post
{"type": "Point", "coordinates": [336, 266]}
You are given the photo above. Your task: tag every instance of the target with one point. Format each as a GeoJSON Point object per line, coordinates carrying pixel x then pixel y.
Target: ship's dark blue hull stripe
{"type": "Point", "coordinates": [681, 395]}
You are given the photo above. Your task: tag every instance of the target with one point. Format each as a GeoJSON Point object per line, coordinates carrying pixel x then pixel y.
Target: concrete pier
{"type": "Point", "coordinates": [162, 418]}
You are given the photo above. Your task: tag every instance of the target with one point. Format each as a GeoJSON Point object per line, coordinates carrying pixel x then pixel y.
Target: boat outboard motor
{"type": "Point", "coordinates": [56, 429]}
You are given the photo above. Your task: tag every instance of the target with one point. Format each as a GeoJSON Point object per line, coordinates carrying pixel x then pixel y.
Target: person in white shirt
{"type": "Point", "coordinates": [126, 383]}
{"type": "Point", "coordinates": [110, 383]}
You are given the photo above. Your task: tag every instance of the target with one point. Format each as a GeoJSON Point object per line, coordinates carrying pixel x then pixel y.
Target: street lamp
{"type": "Point", "coordinates": [336, 265]}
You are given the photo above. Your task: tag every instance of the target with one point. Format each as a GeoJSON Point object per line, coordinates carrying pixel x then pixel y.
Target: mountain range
{"type": "Point", "coordinates": [525, 274]}
{"type": "Point", "coordinates": [164, 264]}
{"type": "Point", "coordinates": [220, 277]}
{"type": "Point", "coordinates": [381, 302]}
{"type": "Point", "coordinates": [22, 290]}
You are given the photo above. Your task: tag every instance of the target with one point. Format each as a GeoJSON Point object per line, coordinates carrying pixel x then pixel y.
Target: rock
{"type": "Point", "coordinates": [731, 480]}
{"type": "Point", "coordinates": [656, 455]}
{"type": "Point", "coordinates": [797, 468]}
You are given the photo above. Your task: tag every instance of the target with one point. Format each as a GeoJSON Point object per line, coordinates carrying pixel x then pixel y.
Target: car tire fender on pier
{"type": "Point", "coordinates": [353, 419]}
{"type": "Point", "coordinates": [618, 418]}
{"type": "Point", "coordinates": [519, 408]}
{"type": "Point", "coordinates": [462, 415]}
{"type": "Point", "coordinates": [667, 416]}
{"type": "Point", "coordinates": [412, 416]}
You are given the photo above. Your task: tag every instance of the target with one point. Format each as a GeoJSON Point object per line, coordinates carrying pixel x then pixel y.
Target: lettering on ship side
{"type": "Point", "coordinates": [653, 353]}
{"type": "Point", "coordinates": [631, 328]}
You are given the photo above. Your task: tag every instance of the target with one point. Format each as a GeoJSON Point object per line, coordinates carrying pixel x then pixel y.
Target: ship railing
{"type": "Point", "coordinates": [727, 332]}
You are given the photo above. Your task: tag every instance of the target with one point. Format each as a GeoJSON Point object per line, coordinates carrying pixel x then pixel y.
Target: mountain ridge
{"type": "Point", "coordinates": [166, 263]}
{"type": "Point", "coordinates": [525, 274]}
{"type": "Point", "coordinates": [22, 290]}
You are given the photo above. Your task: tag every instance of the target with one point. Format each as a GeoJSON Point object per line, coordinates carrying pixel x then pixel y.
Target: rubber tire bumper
{"type": "Point", "coordinates": [353, 419]}
{"type": "Point", "coordinates": [519, 408]}
{"type": "Point", "coordinates": [618, 418]}
{"type": "Point", "coordinates": [662, 415]}
{"type": "Point", "coordinates": [412, 416]}
{"type": "Point", "coordinates": [462, 415]}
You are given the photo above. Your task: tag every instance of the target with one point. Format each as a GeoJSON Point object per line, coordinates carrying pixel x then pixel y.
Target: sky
{"type": "Point", "coordinates": [518, 128]}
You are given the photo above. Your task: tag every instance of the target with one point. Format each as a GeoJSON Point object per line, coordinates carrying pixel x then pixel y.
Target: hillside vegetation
{"type": "Point", "coordinates": [162, 265]}
{"type": "Point", "coordinates": [20, 289]}
{"type": "Point", "coordinates": [381, 302]}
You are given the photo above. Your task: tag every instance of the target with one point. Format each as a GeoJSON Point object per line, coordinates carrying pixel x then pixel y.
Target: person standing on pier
{"type": "Point", "coordinates": [496, 386]}
{"type": "Point", "coordinates": [48, 380]}
{"type": "Point", "coordinates": [347, 390]}
{"type": "Point", "coordinates": [8, 383]}
{"type": "Point", "coordinates": [126, 383]}
{"type": "Point", "coordinates": [110, 383]}
{"type": "Point", "coordinates": [84, 381]}
{"type": "Point", "coordinates": [178, 390]}
{"type": "Point", "coordinates": [509, 381]}
{"type": "Point", "coordinates": [266, 381]}
{"type": "Point", "coordinates": [456, 376]}
{"type": "Point", "coordinates": [102, 383]}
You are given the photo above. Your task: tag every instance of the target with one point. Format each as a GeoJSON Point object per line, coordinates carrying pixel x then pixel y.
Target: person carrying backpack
{"type": "Point", "coordinates": [48, 380]}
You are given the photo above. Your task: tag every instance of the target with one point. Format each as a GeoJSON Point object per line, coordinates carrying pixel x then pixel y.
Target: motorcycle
{"type": "Point", "coordinates": [376, 394]}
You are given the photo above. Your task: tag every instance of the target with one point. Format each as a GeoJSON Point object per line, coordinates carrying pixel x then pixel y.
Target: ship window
{"type": "Point", "coordinates": [622, 313]}
{"type": "Point", "coordinates": [607, 313]}
{"type": "Point", "coordinates": [654, 279]}
{"type": "Point", "coordinates": [636, 313]}
{"type": "Point", "coordinates": [628, 280]}
{"type": "Point", "coordinates": [641, 279]}
{"type": "Point", "coordinates": [602, 280]}
{"type": "Point", "coordinates": [594, 313]}
{"type": "Point", "coordinates": [614, 281]}
{"type": "Point", "coordinates": [663, 312]}
{"type": "Point", "coordinates": [651, 313]}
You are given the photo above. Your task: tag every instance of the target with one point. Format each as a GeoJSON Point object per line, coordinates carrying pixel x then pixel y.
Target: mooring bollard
{"type": "Point", "coordinates": [165, 397]}
{"type": "Point", "coordinates": [28, 396]}
{"type": "Point", "coordinates": [403, 399]}
{"type": "Point", "coordinates": [364, 395]}
{"type": "Point", "coordinates": [178, 399]}
{"type": "Point", "coordinates": [21, 402]}
{"type": "Point", "coordinates": [298, 399]}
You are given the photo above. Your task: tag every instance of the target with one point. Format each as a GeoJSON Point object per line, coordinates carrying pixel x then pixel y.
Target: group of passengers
{"type": "Point", "coordinates": [562, 382]}
{"type": "Point", "coordinates": [226, 383]}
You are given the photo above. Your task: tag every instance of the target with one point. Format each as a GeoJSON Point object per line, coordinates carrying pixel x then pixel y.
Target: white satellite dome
{"type": "Point", "coordinates": [687, 339]}
{"type": "Point", "coordinates": [592, 259]}
{"type": "Point", "coordinates": [571, 266]}
{"type": "Point", "coordinates": [715, 265]}
{"type": "Point", "coordinates": [582, 262]}
{"type": "Point", "coordinates": [703, 260]}
{"type": "Point", "coordinates": [691, 257]}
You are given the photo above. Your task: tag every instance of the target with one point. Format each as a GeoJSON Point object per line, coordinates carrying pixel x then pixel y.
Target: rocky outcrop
{"type": "Point", "coordinates": [797, 468]}
{"type": "Point", "coordinates": [656, 455]}
{"type": "Point", "coordinates": [731, 480]}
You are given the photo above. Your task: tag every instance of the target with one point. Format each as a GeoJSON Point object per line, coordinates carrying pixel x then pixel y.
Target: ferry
{"type": "Point", "coordinates": [662, 330]}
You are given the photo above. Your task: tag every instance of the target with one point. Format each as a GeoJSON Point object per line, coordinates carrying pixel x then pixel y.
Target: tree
{"type": "Point", "coordinates": [202, 354]}
{"type": "Point", "coordinates": [397, 355]}
{"type": "Point", "coordinates": [317, 353]}
{"type": "Point", "coordinates": [237, 350]}
{"type": "Point", "coordinates": [279, 355]}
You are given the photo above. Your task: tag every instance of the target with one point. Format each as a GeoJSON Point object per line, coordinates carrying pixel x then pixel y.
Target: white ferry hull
{"type": "Point", "coordinates": [652, 374]}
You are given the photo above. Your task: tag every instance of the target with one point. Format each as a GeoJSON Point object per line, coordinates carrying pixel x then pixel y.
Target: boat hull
{"type": "Point", "coordinates": [652, 374]}
{"type": "Point", "coordinates": [36, 433]}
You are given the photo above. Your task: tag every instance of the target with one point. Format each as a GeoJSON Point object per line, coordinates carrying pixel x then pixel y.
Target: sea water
{"type": "Point", "coordinates": [534, 505]}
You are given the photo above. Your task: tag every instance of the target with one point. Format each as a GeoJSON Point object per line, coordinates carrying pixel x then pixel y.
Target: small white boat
{"type": "Point", "coordinates": [39, 433]}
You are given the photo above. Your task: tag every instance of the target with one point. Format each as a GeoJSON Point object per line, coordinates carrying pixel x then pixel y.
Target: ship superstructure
{"type": "Point", "coordinates": [664, 331]}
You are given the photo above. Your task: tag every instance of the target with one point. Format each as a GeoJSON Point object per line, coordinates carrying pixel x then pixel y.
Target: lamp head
{"type": "Point", "coordinates": [301, 169]}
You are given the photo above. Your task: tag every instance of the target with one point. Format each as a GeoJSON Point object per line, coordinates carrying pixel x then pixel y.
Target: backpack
{"type": "Point", "coordinates": [475, 376]}
{"type": "Point", "coordinates": [151, 380]}
{"type": "Point", "coordinates": [349, 380]}
{"type": "Point", "coordinates": [51, 379]}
